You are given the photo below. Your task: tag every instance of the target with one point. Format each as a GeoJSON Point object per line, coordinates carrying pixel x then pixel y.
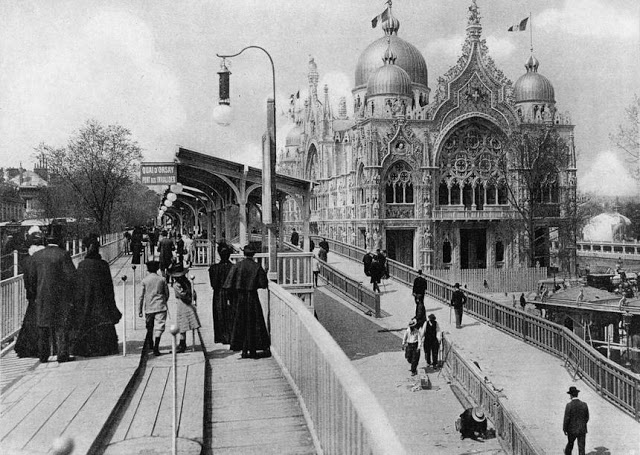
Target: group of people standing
{"type": "Point", "coordinates": [376, 267]}
{"type": "Point", "coordinates": [238, 319]}
{"type": "Point", "coordinates": [70, 311]}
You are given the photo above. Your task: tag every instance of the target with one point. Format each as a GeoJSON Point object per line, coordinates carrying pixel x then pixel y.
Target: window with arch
{"type": "Point", "coordinates": [311, 164]}
{"type": "Point", "coordinates": [399, 184]}
{"type": "Point", "coordinates": [499, 251]}
{"type": "Point", "coordinates": [446, 252]}
{"type": "Point", "coordinates": [470, 160]}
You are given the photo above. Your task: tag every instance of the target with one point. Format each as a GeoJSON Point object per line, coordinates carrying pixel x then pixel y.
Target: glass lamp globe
{"type": "Point", "coordinates": [177, 188]}
{"type": "Point", "coordinates": [168, 203]}
{"type": "Point", "coordinates": [223, 114]}
{"type": "Point", "coordinates": [172, 196]}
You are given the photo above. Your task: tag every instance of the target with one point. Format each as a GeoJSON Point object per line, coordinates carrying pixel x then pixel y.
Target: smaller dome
{"type": "Point", "coordinates": [389, 79]}
{"type": "Point", "coordinates": [294, 138]}
{"type": "Point", "coordinates": [606, 227]}
{"type": "Point", "coordinates": [532, 86]}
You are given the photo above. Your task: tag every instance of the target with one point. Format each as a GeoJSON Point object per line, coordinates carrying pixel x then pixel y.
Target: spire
{"type": "Point", "coordinates": [313, 78]}
{"type": "Point", "coordinates": [474, 28]}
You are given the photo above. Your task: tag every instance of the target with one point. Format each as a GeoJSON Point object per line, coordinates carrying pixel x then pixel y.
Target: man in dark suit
{"type": "Point", "coordinates": [165, 248]}
{"type": "Point", "coordinates": [294, 237]}
{"type": "Point", "coordinates": [576, 416]}
{"type": "Point", "coordinates": [54, 276]}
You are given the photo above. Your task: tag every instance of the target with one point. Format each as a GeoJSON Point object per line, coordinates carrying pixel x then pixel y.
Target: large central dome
{"type": "Point", "coordinates": [408, 57]}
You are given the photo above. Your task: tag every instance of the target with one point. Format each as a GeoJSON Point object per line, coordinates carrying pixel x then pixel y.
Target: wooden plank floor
{"type": "Point", "coordinates": [74, 399]}
{"type": "Point", "coordinates": [147, 423]}
{"type": "Point", "coordinates": [254, 409]}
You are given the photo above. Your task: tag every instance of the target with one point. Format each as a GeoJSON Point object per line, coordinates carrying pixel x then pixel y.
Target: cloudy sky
{"type": "Point", "coordinates": [151, 66]}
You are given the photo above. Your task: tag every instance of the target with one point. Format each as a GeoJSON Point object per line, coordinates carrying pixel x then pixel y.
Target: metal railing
{"type": "Point", "coordinates": [612, 381]}
{"type": "Point", "coordinates": [345, 414]}
{"type": "Point", "coordinates": [351, 289]}
{"type": "Point", "coordinates": [512, 432]}
{"type": "Point", "coordinates": [13, 303]}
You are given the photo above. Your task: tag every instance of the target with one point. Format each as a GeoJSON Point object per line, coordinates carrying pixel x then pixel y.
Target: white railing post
{"type": "Point", "coordinates": [124, 315]}
{"type": "Point", "coordinates": [15, 262]}
{"type": "Point", "coordinates": [174, 364]}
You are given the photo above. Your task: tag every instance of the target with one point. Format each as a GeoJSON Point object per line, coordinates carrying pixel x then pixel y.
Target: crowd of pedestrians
{"type": "Point", "coordinates": [70, 311]}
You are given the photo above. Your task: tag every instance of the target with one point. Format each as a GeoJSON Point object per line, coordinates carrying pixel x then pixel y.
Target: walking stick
{"type": "Point", "coordinates": [174, 363]}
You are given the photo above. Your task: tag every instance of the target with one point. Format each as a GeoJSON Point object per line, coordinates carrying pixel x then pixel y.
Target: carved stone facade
{"type": "Point", "coordinates": [422, 178]}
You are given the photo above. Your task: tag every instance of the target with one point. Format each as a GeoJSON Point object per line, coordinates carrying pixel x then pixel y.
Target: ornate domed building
{"type": "Point", "coordinates": [434, 180]}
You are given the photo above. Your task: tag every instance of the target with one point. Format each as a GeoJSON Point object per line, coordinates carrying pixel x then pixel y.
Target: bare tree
{"type": "Point", "coordinates": [627, 138]}
{"type": "Point", "coordinates": [532, 166]}
{"type": "Point", "coordinates": [98, 163]}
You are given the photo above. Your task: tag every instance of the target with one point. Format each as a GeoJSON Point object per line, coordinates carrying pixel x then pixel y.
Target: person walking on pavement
{"type": "Point", "coordinates": [431, 333]}
{"type": "Point", "coordinates": [367, 259]}
{"type": "Point", "coordinates": [95, 312]}
{"type": "Point", "coordinates": [377, 271]}
{"type": "Point", "coordinates": [223, 310]}
{"type": "Point", "coordinates": [523, 301]}
{"type": "Point", "coordinates": [295, 237]}
{"type": "Point", "coordinates": [458, 300]}
{"type": "Point", "coordinates": [419, 287]}
{"type": "Point", "coordinates": [180, 249]}
{"type": "Point", "coordinates": [412, 344]}
{"type": "Point", "coordinates": [324, 245]}
{"type": "Point", "coordinates": [249, 333]}
{"type": "Point", "coordinates": [153, 304]}
{"type": "Point", "coordinates": [188, 249]}
{"type": "Point", "coordinates": [576, 416]}
{"type": "Point", "coordinates": [165, 248]}
{"type": "Point", "coordinates": [315, 268]}
{"type": "Point", "coordinates": [54, 275]}
{"type": "Point", "coordinates": [186, 301]}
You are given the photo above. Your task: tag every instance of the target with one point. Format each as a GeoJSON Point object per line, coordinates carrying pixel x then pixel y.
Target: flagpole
{"type": "Point", "coordinates": [531, 31]}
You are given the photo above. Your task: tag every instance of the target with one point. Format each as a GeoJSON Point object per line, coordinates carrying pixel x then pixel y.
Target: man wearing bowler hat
{"type": "Point", "coordinates": [576, 416]}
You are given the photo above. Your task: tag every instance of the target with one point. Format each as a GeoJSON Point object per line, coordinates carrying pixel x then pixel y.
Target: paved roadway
{"type": "Point", "coordinates": [534, 382]}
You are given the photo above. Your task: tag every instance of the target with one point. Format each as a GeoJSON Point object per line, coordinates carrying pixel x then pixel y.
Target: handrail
{"type": "Point", "coordinates": [351, 289]}
{"type": "Point", "coordinates": [345, 414]}
{"type": "Point", "coordinates": [512, 432]}
{"type": "Point", "coordinates": [612, 381]}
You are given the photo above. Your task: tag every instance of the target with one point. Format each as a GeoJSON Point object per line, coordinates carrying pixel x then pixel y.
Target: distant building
{"type": "Point", "coordinates": [417, 174]}
{"type": "Point", "coordinates": [30, 185]}
{"type": "Point", "coordinates": [606, 227]}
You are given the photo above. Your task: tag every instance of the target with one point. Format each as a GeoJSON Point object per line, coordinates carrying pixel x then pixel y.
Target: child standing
{"type": "Point", "coordinates": [153, 301]}
{"type": "Point", "coordinates": [412, 344]}
{"type": "Point", "coordinates": [187, 316]}
{"type": "Point", "coordinates": [315, 267]}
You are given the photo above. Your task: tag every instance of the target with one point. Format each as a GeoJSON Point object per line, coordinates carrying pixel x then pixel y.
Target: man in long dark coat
{"type": "Point", "coordinates": [576, 416]}
{"type": "Point", "coordinates": [295, 237]}
{"type": "Point", "coordinates": [458, 300]}
{"type": "Point", "coordinates": [249, 333]}
{"type": "Point", "coordinates": [54, 275]}
{"type": "Point", "coordinates": [223, 314]}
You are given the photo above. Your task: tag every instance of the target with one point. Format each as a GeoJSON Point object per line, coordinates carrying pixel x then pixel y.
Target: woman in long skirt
{"type": "Point", "coordinates": [186, 314]}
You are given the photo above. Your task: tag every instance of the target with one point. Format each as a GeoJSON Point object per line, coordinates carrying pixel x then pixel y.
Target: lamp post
{"type": "Point", "coordinates": [269, 213]}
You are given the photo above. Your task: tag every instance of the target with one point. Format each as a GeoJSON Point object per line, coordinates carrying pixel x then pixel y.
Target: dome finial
{"type": "Point", "coordinates": [532, 64]}
{"type": "Point", "coordinates": [474, 28]}
{"type": "Point", "coordinates": [390, 25]}
{"type": "Point", "coordinates": [389, 57]}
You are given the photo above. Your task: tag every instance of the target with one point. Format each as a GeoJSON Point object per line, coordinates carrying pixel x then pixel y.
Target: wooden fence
{"type": "Point", "coordinates": [509, 428]}
{"type": "Point", "coordinates": [498, 280]}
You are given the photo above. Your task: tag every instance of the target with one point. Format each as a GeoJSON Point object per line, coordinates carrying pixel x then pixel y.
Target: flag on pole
{"type": "Point", "coordinates": [519, 27]}
{"type": "Point", "coordinates": [380, 17]}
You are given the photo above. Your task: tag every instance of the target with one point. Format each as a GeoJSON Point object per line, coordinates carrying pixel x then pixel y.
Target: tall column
{"type": "Point", "coordinates": [242, 217]}
{"type": "Point", "coordinates": [306, 215]}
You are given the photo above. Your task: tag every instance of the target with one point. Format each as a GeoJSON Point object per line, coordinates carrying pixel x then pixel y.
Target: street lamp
{"type": "Point", "coordinates": [223, 117]}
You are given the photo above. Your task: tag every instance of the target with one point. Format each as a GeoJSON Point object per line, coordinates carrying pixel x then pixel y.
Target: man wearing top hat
{"type": "Point", "coordinates": [458, 299]}
{"type": "Point", "coordinates": [576, 416]}
{"type": "Point", "coordinates": [249, 333]}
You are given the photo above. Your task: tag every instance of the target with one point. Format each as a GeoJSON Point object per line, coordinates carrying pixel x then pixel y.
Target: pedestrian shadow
{"type": "Point", "coordinates": [221, 353]}
{"type": "Point", "coordinates": [599, 451]}
{"type": "Point", "coordinates": [462, 326]}
{"type": "Point", "coordinates": [433, 309]}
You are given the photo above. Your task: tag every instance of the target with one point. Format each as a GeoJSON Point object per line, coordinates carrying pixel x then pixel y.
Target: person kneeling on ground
{"type": "Point", "coordinates": [473, 424]}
